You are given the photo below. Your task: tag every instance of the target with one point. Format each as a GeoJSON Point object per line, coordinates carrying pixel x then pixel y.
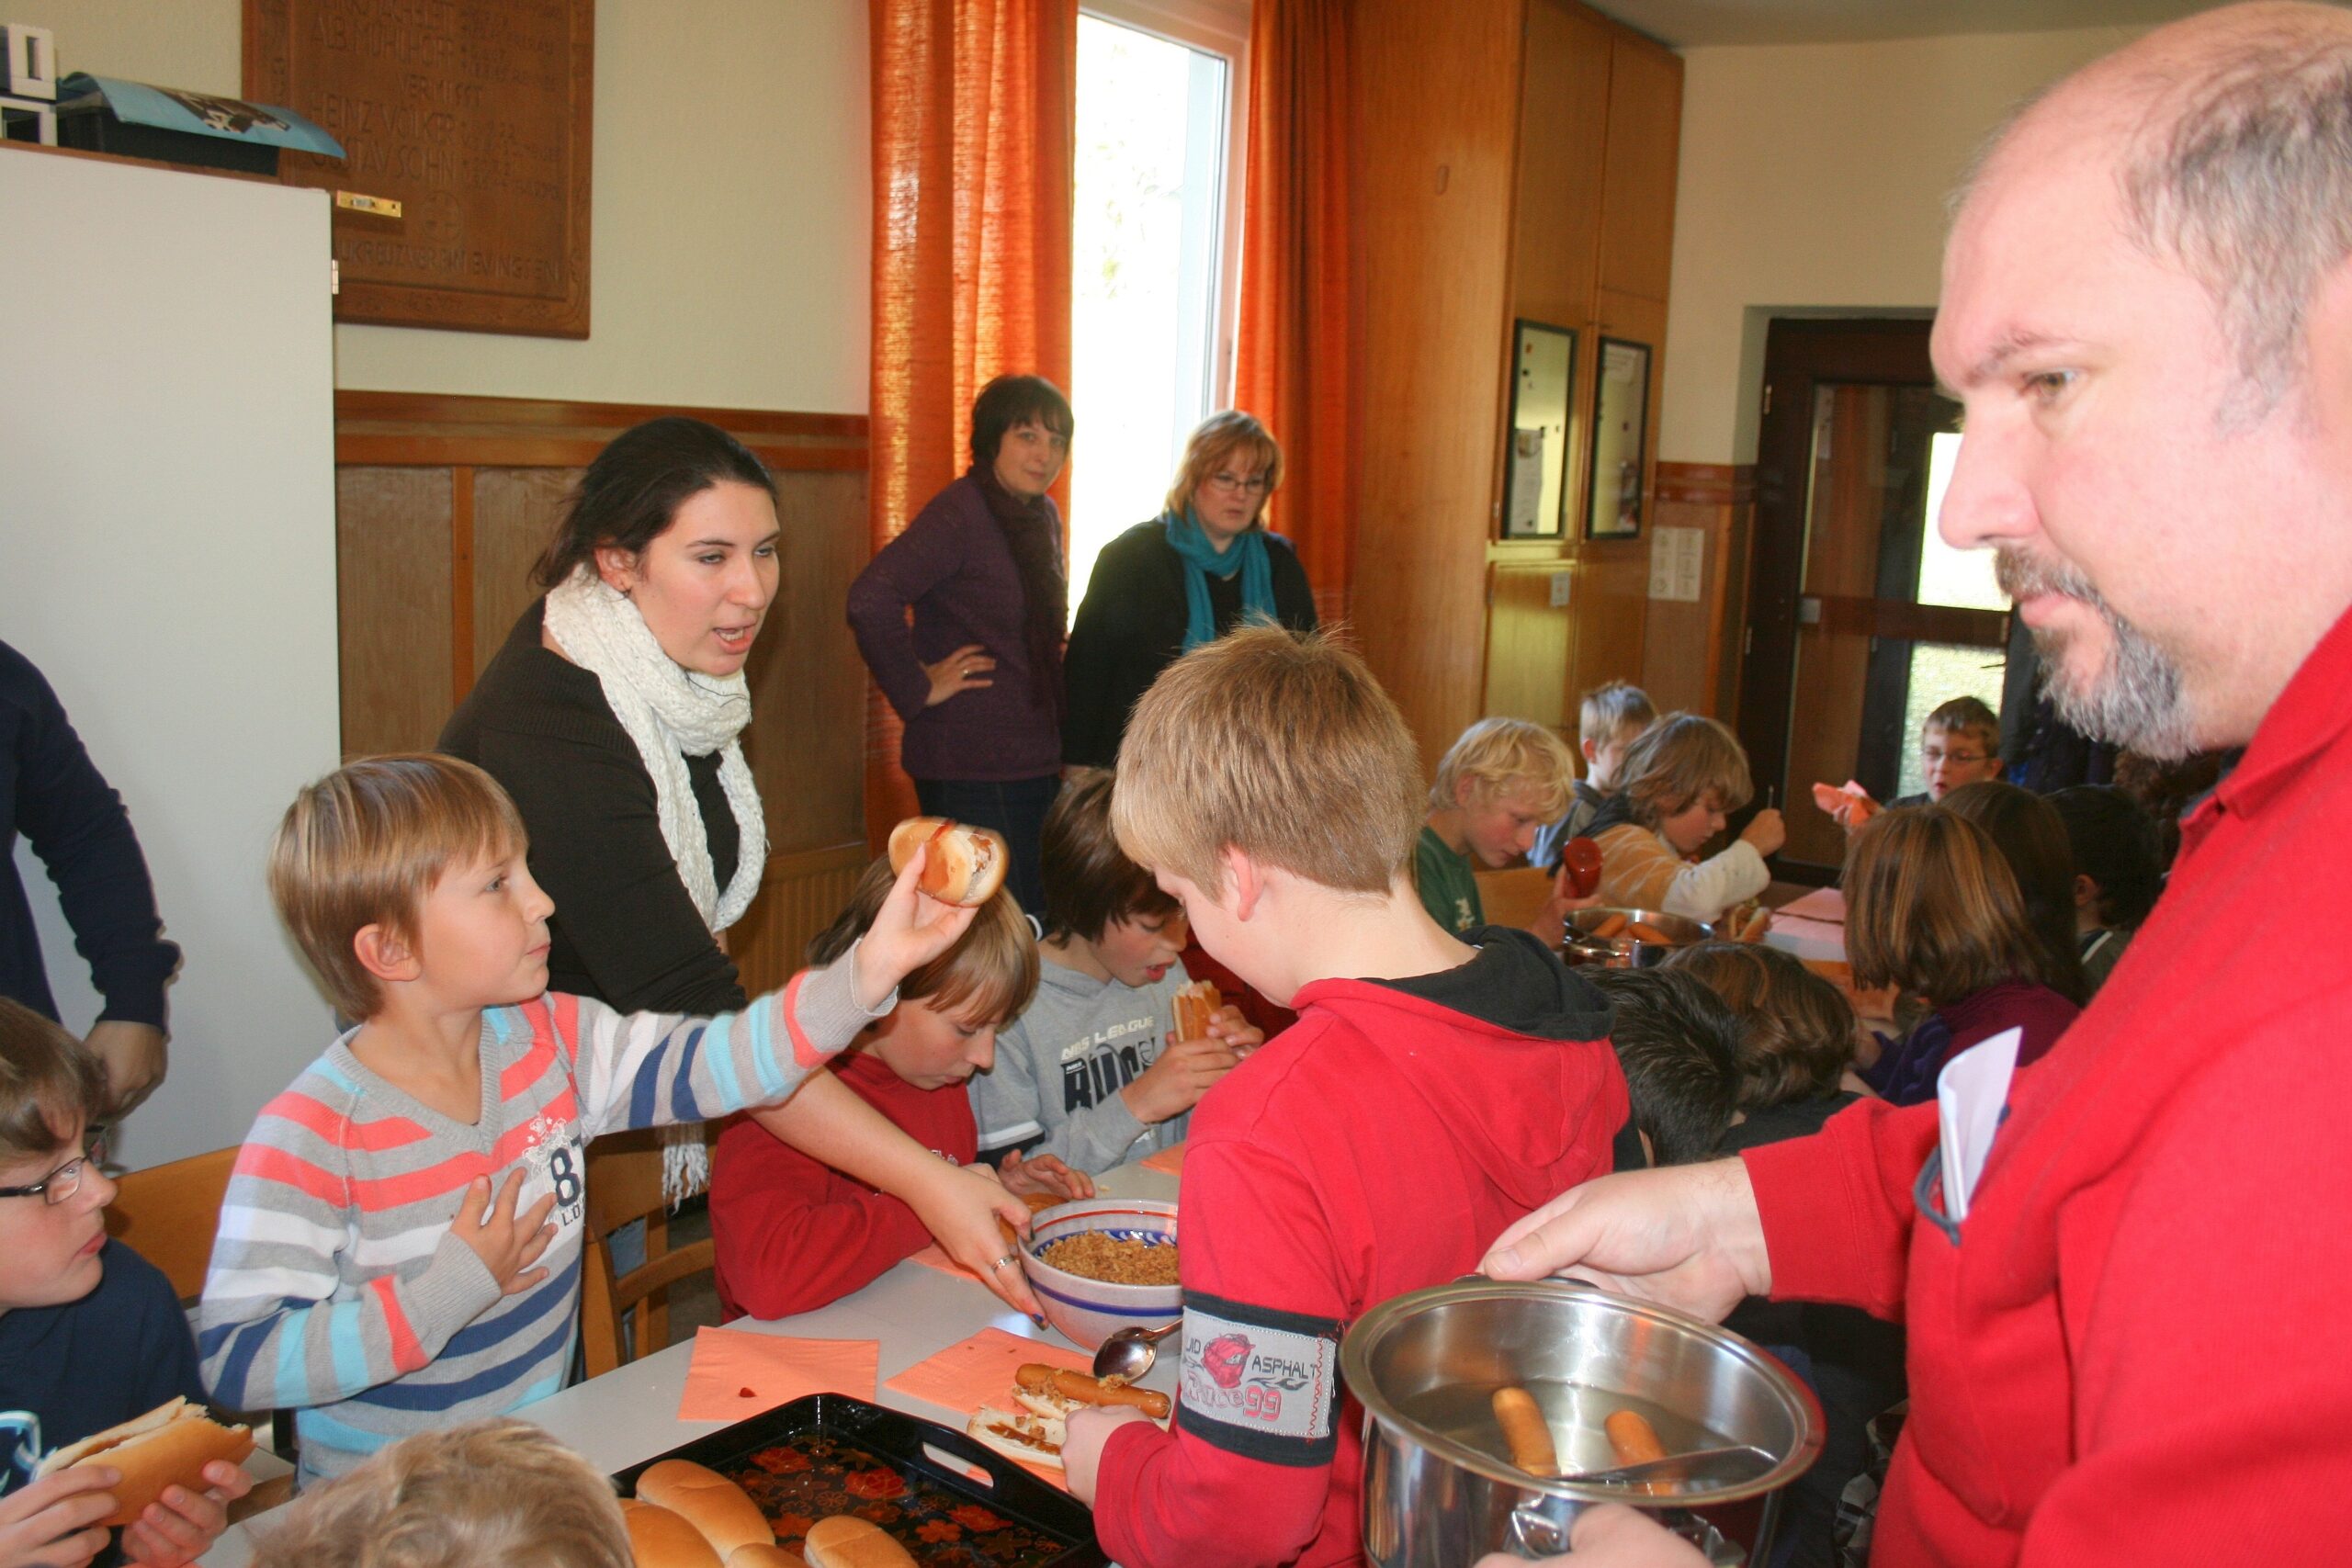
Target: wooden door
{"type": "Point", "coordinates": [1530, 637]}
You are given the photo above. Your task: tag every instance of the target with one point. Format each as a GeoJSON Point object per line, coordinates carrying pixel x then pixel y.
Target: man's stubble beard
{"type": "Point", "coordinates": [2137, 700]}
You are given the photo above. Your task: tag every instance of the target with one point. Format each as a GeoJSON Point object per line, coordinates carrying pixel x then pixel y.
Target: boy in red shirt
{"type": "Point", "coordinates": [1429, 1084]}
{"type": "Point", "coordinates": [791, 1233]}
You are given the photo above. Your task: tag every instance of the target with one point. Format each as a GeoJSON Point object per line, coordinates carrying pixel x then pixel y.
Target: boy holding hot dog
{"type": "Point", "coordinates": [399, 1248]}
{"type": "Point", "coordinates": [90, 1333]}
{"type": "Point", "coordinates": [1431, 1083]}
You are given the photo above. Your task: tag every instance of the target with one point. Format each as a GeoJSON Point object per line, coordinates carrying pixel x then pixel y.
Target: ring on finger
{"type": "Point", "coordinates": [1008, 1257]}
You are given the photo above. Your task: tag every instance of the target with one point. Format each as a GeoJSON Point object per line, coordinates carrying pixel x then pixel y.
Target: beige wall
{"type": "Point", "coordinates": [730, 236]}
{"type": "Point", "coordinates": [1813, 181]}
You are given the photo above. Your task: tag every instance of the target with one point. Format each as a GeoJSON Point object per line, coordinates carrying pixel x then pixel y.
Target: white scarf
{"type": "Point", "coordinates": [672, 713]}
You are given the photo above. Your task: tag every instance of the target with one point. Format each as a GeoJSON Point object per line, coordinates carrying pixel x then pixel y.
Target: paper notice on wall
{"type": "Point", "coordinates": [1526, 484]}
{"type": "Point", "coordinates": [1678, 563]}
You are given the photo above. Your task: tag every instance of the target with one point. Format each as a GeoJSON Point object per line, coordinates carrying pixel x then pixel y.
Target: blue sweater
{"type": "Point", "coordinates": [53, 795]}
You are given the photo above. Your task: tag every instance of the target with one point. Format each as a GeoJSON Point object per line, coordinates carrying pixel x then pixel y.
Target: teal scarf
{"type": "Point", "coordinates": [1246, 555]}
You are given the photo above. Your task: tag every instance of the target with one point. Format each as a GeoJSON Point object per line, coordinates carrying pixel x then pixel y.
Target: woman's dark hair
{"type": "Point", "coordinates": [1010, 401]}
{"type": "Point", "coordinates": [1796, 1033]}
{"type": "Point", "coordinates": [2115, 845]}
{"type": "Point", "coordinates": [632, 494]}
{"type": "Point", "coordinates": [2032, 839]}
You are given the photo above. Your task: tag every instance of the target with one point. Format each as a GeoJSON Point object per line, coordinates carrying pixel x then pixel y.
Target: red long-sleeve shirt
{"type": "Point", "coordinates": [791, 1233]}
{"type": "Point", "coordinates": [2132, 1353]}
{"type": "Point", "coordinates": [1369, 1150]}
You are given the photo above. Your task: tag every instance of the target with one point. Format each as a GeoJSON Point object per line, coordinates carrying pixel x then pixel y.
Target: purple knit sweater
{"type": "Point", "coordinates": [952, 568]}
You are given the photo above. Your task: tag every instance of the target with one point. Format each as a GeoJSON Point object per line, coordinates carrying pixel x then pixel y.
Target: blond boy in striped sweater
{"type": "Point", "coordinates": [400, 1249]}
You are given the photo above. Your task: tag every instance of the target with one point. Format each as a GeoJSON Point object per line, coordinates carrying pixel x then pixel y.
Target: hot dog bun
{"type": "Point", "coordinates": [723, 1511]}
{"type": "Point", "coordinates": [1016, 1434]}
{"type": "Point", "coordinates": [965, 866]}
{"type": "Point", "coordinates": [1196, 1005]}
{"type": "Point", "coordinates": [841, 1541]}
{"type": "Point", "coordinates": [169, 1446]}
{"type": "Point", "coordinates": [765, 1557]}
{"type": "Point", "coordinates": [660, 1539]}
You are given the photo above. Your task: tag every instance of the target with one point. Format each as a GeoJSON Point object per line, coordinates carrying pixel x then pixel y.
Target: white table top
{"type": "Point", "coordinates": [632, 1414]}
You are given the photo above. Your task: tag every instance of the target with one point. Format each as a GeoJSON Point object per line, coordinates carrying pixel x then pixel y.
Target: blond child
{"type": "Point", "coordinates": [1495, 787]}
{"type": "Point", "coordinates": [91, 1334]}
{"type": "Point", "coordinates": [1681, 778]}
{"type": "Point", "coordinates": [1610, 718]}
{"type": "Point", "coordinates": [399, 1246]}
{"type": "Point", "coordinates": [497, 1494]}
{"type": "Point", "coordinates": [1268, 785]}
{"type": "Point", "coordinates": [791, 1232]}
{"type": "Point", "coordinates": [1091, 1072]}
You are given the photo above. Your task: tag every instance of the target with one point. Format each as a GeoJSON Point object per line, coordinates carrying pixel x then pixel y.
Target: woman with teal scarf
{"type": "Point", "coordinates": [1185, 577]}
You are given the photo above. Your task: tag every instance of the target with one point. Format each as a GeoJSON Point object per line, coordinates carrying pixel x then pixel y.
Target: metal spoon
{"type": "Point", "coordinates": [1128, 1353]}
{"type": "Point", "coordinates": [1752, 1461]}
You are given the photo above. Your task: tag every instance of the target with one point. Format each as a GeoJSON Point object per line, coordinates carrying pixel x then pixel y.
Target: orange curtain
{"type": "Point", "coordinates": [974, 108]}
{"type": "Point", "coordinates": [1295, 363]}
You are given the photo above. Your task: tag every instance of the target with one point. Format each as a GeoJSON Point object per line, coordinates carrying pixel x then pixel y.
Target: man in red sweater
{"type": "Point", "coordinates": [2128, 1350]}
{"type": "Point", "coordinates": [1431, 1088]}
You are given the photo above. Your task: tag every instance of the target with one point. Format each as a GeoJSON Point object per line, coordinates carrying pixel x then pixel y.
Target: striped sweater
{"type": "Point", "coordinates": [337, 1287]}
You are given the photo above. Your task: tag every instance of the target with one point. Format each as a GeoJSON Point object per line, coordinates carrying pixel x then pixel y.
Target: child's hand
{"type": "Point", "coordinates": [1045, 1174]}
{"type": "Point", "coordinates": [1174, 1084]}
{"type": "Point", "coordinates": [1766, 832]}
{"type": "Point", "coordinates": [181, 1526]}
{"type": "Point", "coordinates": [1227, 1024]}
{"type": "Point", "coordinates": [54, 1523]}
{"type": "Point", "coordinates": [506, 1245]}
{"type": "Point", "coordinates": [1551, 925]}
{"type": "Point", "coordinates": [1089, 1428]}
{"type": "Point", "coordinates": [910, 930]}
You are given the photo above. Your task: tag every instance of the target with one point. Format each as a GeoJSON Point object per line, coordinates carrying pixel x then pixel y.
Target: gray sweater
{"type": "Point", "coordinates": [1059, 1069]}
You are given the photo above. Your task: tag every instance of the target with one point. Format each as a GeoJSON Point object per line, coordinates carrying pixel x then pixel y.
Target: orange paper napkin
{"type": "Point", "coordinates": [936, 1257]}
{"type": "Point", "coordinates": [735, 1373]}
{"type": "Point", "coordinates": [1169, 1161]}
{"type": "Point", "coordinates": [979, 1371]}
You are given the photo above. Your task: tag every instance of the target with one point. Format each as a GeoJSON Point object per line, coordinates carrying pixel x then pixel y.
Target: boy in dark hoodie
{"type": "Point", "coordinates": [1432, 1086]}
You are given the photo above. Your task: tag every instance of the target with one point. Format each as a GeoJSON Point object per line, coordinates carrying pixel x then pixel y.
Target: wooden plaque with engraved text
{"type": "Point", "coordinates": [474, 115]}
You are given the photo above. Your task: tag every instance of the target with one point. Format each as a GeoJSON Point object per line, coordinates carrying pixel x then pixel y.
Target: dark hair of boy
{"type": "Point", "coordinates": [2116, 846]}
{"type": "Point", "coordinates": [1010, 402]}
{"type": "Point", "coordinates": [1796, 1033]}
{"type": "Point", "coordinates": [1090, 882]}
{"type": "Point", "coordinates": [48, 1083]}
{"type": "Point", "coordinates": [1680, 1048]}
{"type": "Point", "coordinates": [2032, 837]}
{"type": "Point", "coordinates": [1967, 717]}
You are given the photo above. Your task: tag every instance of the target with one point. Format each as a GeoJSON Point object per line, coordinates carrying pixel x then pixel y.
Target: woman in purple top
{"type": "Point", "coordinates": [1933, 909]}
{"type": "Point", "coordinates": [976, 677]}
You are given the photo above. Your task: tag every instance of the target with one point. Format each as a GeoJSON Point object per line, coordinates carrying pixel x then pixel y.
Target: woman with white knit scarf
{"type": "Point", "coordinates": [612, 715]}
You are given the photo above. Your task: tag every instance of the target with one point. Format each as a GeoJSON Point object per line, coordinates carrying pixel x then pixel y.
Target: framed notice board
{"type": "Point", "coordinates": [474, 116]}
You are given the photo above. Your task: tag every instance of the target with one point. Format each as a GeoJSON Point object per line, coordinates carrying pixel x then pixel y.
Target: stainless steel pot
{"type": "Point", "coordinates": [1623, 952]}
{"type": "Point", "coordinates": [1439, 1486]}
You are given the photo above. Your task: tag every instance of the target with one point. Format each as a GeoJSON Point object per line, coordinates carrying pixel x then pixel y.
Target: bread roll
{"type": "Point", "coordinates": [723, 1511]}
{"type": "Point", "coordinates": [1196, 1005]}
{"type": "Point", "coordinates": [660, 1539]}
{"type": "Point", "coordinates": [841, 1541]}
{"type": "Point", "coordinates": [965, 866]}
{"type": "Point", "coordinates": [765, 1557]}
{"type": "Point", "coordinates": [1018, 1434]}
{"type": "Point", "coordinates": [168, 1447]}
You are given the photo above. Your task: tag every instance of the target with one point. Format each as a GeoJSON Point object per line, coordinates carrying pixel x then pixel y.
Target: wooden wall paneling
{"type": "Point", "coordinates": [1645, 144]}
{"type": "Point", "coordinates": [807, 744]}
{"type": "Point", "coordinates": [799, 896]}
{"type": "Point", "coordinates": [1833, 658]}
{"type": "Point", "coordinates": [461, 584]}
{"type": "Point", "coordinates": [1691, 652]}
{"type": "Point", "coordinates": [1438, 95]}
{"type": "Point", "coordinates": [1529, 640]}
{"type": "Point", "coordinates": [1612, 598]}
{"type": "Point", "coordinates": [515, 515]}
{"type": "Point", "coordinates": [393, 602]}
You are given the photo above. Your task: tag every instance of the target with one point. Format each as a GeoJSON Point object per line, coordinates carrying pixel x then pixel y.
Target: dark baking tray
{"type": "Point", "coordinates": [898, 1439]}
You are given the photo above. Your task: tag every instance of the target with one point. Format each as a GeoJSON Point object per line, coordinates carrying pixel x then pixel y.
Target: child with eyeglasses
{"type": "Point", "coordinates": [1959, 743]}
{"type": "Point", "coordinates": [90, 1331]}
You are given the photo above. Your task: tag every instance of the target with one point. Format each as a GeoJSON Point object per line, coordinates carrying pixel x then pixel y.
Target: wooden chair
{"type": "Point", "coordinates": [167, 1213]}
{"type": "Point", "coordinates": [624, 1184]}
{"type": "Point", "coordinates": [1514, 898]}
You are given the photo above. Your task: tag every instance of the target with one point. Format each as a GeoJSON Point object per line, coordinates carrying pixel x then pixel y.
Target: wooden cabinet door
{"type": "Point", "coordinates": [1638, 169]}
{"type": "Point", "coordinates": [1530, 640]}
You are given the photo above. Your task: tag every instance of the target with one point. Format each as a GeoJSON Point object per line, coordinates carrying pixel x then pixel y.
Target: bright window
{"type": "Point", "coordinates": [1156, 253]}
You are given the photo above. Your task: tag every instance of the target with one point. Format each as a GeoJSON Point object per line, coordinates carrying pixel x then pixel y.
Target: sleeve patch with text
{"type": "Point", "coordinates": [1259, 1382]}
